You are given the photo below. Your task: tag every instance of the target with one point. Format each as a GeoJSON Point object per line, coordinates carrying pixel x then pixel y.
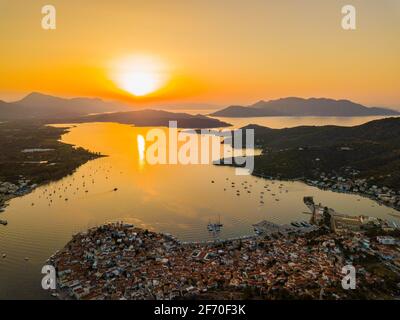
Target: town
{"type": "Point", "coordinates": [348, 183]}
{"type": "Point", "coordinates": [120, 261]}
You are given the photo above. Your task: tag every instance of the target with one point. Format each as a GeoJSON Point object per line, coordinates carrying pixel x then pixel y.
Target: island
{"type": "Point", "coordinates": [300, 107]}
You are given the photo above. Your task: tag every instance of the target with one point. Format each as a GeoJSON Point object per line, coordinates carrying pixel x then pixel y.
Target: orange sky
{"type": "Point", "coordinates": [218, 52]}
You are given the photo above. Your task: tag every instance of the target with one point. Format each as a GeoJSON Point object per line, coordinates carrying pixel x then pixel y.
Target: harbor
{"type": "Point", "coordinates": [42, 221]}
{"type": "Point", "coordinates": [217, 269]}
{"type": "Point", "coordinates": [231, 265]}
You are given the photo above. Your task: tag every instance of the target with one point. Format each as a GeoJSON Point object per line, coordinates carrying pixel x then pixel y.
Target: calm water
{"type": "Point", "coordinates": [170, 198]}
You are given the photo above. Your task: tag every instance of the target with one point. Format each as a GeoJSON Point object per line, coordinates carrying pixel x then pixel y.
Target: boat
{"type": "Point", "coordinates": [215, 227]}
{"type": "Point", "coordinates": [3, 222]}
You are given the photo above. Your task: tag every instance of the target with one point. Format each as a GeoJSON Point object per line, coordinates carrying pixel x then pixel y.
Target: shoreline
{"type": "Point", "coordinates": [302, 180]}
{"type": "Point", "coordinates": [309, 183]}
{"type": "Point", "coordinates": [6, 200]}
{"type": "Point", "coordinates": [121, 261]}
{"type": "Point", "coordinates": [53, 159]}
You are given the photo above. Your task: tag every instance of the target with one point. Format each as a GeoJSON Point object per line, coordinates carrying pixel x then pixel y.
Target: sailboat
{"type": "Point", "coordinates": [215, 227]}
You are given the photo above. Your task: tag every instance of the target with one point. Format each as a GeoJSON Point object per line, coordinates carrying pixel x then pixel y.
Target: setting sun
{"type": "Point", "coordinates": [139, 75]}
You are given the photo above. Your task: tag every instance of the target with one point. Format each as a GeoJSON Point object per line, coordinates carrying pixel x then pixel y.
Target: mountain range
{"type": "Point", "coordinates": [41, 106]}
{"type": "Point", "coordinates": [59, 110]}
{"type": "Point", "coordinates": [299, 107]}
{"type": "Point", "coordinates": [50, 109]}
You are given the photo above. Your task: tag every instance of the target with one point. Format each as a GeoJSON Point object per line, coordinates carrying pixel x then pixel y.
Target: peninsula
{"type": "Point", "coordinates": [299, 107]}
{"type": "Point", "coordinates": [120, 261]}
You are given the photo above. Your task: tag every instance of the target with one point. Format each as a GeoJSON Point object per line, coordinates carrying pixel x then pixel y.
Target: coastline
{"type": "Point", "coordinates": [123, 262]}
{"type": "Point", "coordinates": [41, 161]}
{"type": "Point", "coordinates": [309, 182]}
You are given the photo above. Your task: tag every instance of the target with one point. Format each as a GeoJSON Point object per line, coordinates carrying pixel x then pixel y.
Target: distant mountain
{"type": "Point", "coordinates": [319, 107]}
{"type": "Point", "coordinates": [40, 106]}
{"type": "Point", "coordinates": [150, 117]}
{"type": "Point", "coordinates": [78, 110]}
{"type": "Point", "coordinates": [244, 112]}
{"type": "Point", "coordinates": [189, 106]}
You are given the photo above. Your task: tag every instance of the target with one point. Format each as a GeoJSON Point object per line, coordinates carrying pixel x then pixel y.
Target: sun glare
{"type": "Point", "coordinates": [139, 75]}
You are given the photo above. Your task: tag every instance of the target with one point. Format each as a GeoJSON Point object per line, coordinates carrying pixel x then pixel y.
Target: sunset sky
{"type": "Point", "coordinates": [202, 51]}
